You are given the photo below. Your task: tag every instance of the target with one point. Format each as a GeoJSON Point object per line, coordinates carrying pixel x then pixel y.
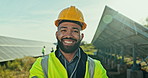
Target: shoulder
{"type": "Point", "coordinates": [99, 68]}
{"type": "Point", "coordinates": [36, 69]}
{"type": "Point", "coordinates": [37, 62]}
{"type": "Point", "coordinates": [94, 60]}
{"type": "Point", "coordinates": [98, 64]}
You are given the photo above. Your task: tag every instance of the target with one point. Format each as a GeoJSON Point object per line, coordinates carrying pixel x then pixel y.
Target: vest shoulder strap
{"type": "Point", "coordinates": [91, 66]}
{"type": "Point", "coordinates": [44, 65]}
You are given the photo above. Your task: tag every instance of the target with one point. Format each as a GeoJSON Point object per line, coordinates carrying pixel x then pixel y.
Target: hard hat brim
{"type": "Point", "coordinates": [59, 20]}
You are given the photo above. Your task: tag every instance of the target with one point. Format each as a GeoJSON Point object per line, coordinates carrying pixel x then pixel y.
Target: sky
{"type": "Point", "coordinates": [34, 19]}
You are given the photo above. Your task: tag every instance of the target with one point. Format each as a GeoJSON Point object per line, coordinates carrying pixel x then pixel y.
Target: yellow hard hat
{"type": "Point", "coordinates": [73, 14]}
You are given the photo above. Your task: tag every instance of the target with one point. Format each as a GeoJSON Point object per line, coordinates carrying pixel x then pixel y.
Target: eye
{"type": "Point", "coordinates": [63, 30]}
{"type": "Point", "coordinates": [76, 31]}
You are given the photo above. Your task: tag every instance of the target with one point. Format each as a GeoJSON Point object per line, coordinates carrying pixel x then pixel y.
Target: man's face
{"type": "Point", "coordinates": [69, 37]}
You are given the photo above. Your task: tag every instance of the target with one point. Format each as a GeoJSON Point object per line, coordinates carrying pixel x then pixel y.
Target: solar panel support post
{"type": "Point", "coordinates": [134, 67]}
{"type": "Point", "coordinates": [115, 58]}
{"type": "Point", "coordinates": [105, 55]}
{"type": "Point", "coordinates": [109, 56]}
{"type": "Point", "coordinates": [110, 52]}
{"type": "Point", "coordinates": [122, 54]}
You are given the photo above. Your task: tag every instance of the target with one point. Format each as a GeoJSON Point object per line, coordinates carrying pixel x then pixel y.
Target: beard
{"type": "Point", "coordinates": [68, 49]}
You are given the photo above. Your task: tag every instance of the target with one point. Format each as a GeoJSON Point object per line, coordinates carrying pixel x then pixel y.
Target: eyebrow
{"type": "Point", "coordinates": [62, 27]}
{"type": "Point", "coordinates": [75, 28]}
{"type": "Point", "coordinates": [72, 28]}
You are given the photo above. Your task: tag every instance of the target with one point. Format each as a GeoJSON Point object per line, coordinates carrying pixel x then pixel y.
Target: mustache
{"type": "Point", "coordinates": [69, 38]}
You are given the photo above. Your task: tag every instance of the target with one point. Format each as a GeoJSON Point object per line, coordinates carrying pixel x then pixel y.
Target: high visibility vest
{"type": "Point", "coordinates": [51, 67]}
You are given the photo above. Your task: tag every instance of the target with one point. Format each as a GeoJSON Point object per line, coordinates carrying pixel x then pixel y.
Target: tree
{"type": "Point", "coordinates": [146, 22]}
{"type": "Point", "coordinates": [88, 48]}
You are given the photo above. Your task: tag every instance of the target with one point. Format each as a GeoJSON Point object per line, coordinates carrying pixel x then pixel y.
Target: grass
{"type": "Point", "coordinates": [19, 68]}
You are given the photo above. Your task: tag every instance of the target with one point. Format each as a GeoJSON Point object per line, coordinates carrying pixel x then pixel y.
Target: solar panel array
{"type": "Point", "coordinates": [115, 31]}
{"type": "Point", "coordinates": [12, 48]}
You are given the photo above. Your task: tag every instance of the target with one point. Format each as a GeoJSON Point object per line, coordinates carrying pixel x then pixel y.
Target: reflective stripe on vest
{"type": "Point", "coordinates": [91, 65]}
{"type": "Point", "coordinates": [44, 64]}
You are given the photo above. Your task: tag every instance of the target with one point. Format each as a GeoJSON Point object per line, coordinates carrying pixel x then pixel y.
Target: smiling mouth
{"type": "Point", "coordinates": [68, 42]}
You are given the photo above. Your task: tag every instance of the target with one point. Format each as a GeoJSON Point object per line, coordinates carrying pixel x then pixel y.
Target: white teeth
{"type": "Point", "coordinates": [68, 41]}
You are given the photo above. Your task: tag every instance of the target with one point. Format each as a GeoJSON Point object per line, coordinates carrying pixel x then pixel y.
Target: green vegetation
{"type": "Point", "coordinates": [88, 48]}
{"type": "Point", "coordinates": [19, 68]}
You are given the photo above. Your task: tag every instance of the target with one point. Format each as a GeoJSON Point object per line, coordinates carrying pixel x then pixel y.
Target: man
{"type": "Point", "coordinates": [43, 51]}
{"type": "Point", "coordinates": [69, 60]}
{"type": "Point", "coordinates": [52, 49]}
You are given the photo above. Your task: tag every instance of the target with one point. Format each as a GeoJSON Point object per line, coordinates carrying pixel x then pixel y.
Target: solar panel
{"type": "Point", "coordinates": [115, 29]}
{"type": "Point", "coordinates": [12, 48]}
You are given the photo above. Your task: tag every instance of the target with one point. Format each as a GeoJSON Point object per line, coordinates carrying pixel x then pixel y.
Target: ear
{"type": "Point", "coordinates": [81, 36]}
{"type": "Point", "coordinates": [56, 34]}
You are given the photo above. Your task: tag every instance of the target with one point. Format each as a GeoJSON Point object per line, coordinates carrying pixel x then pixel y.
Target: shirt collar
{"type": "Point", "coordinates": [78, 54]}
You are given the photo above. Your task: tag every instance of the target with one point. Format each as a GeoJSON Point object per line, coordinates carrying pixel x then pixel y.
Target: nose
{"type": "Point", "coordinates": [68, 34]}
